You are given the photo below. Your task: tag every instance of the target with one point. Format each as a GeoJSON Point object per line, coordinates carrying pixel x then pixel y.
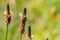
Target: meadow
{"type": "Point", "coordinates": [38, 16]}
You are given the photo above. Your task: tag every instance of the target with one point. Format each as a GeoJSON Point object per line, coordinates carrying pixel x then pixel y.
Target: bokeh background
{"type": "Point", "coordinates": [38, 16]}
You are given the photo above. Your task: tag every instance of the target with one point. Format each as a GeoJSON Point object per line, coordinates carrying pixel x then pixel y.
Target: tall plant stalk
{"type": "Point", "coordinates": [7, 19]}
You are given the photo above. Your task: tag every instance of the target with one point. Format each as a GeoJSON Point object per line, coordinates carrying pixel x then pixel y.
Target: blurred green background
{"type": "Point", "coordinates": [38, 16]}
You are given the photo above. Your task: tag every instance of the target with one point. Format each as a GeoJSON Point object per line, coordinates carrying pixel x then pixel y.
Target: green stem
{"type": "Point", "coordinates": [21, 36]}
{"type": "Point", "coordinates": [7, 32]}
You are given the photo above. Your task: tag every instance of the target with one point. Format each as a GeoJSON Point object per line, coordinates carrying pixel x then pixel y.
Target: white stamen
{"type": "Point", "coordinates": [20, 14]}
{"type": "Point", "coordinates": [5, 12]}
{"type": "Point", "coordinates": [32, 36]}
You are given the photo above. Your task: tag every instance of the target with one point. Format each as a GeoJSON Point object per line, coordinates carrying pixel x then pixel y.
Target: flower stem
{"type": "Point", "coordinates": [7, 32]}
{"type": "Point", "coordinates": [21, 36]}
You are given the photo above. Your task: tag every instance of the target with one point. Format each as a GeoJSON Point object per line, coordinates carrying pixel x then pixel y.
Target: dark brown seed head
{"type": "Point", "coordinates": [24, 11]}
{"type": "Point", "coordinates": [7, 15]}
{"type": "Point", "coordinates": [29, 31]}
{"type": "Point", "coordinates": [8, 9]}
{"type": "Point", "coordinates": [23, 22]}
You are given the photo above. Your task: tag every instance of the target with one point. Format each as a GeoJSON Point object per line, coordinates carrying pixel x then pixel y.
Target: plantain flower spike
{"type": "Point", "coordinates": [23, 21]}
{"type": "Point", "coordinates": [7, 15]}
{"type": "Point", "coordinates": [28, 37]}
{"type": "Point", "coordinates": [53, 14]}
{"type": "Point", "coordinates": [29, 31]}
